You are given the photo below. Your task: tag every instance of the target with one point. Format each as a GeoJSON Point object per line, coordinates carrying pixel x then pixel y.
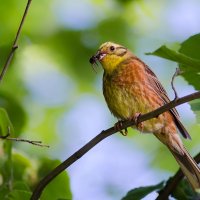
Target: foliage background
{"type": "Point", "coordinates": [52, 94]}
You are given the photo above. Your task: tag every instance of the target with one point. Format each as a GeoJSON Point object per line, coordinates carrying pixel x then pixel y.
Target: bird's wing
{"type": "Point", "coordinates": [158, 88]}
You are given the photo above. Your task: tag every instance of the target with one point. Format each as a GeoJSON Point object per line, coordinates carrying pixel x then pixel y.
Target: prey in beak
{"type": "Point", "coordinates": [93, 60]}
{"type": "Point", "coordinates": [97, 57]}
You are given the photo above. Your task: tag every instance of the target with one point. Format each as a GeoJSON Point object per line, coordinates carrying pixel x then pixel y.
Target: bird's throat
{"type": "Point", "coordinates": [110, 65]}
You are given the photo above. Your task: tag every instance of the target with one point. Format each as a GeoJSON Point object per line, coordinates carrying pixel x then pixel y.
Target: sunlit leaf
{"type": "Point", "coordinates": [191, 48]}
{"type": "Point", "coordinates": [188, 59]}
{"type": "Point", "coordinates": [172, 55]}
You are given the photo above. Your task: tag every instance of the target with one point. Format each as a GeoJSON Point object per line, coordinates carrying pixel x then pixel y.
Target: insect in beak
{"type": "Point", "coordinates": [98, 57]}
{"type": "Point", "coordinates": [93, 61]}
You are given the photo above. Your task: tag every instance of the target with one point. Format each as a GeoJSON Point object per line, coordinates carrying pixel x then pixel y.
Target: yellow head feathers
{"type": "Point", "coordinates": [110, 55]}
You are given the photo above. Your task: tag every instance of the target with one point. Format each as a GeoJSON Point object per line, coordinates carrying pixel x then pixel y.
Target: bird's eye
{"type": "Point", "coordinates": [112, 48]}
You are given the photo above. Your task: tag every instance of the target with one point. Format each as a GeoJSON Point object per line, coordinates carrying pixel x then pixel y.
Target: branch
{"type": "Point", "coordinates": [15, 45]}
{"type": "Point", "coordinates": [177, 72]}
{"type": "Point", "coordinates": [104, 134]}
{"type": "Point", "coordinates": [173, 182]}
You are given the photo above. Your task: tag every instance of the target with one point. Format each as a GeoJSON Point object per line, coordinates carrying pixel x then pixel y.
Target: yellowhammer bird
{"type": "Point", "coordinates": [130, 88]}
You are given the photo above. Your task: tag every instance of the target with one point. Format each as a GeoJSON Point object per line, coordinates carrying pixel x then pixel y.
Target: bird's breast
{"type": "Point", "coordinates": [123, 99]}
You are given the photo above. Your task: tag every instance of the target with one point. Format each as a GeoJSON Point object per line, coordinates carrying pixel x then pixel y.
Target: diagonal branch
{"type": "Point", "coordinates": [15, 45]}
{"type": "Point", "coordinates": [104, 134]}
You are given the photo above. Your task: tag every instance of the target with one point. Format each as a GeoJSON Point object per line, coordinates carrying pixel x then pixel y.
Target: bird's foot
{"type": "Point", "coordinates": [138, 125]}
{"type": "Point", "coordinates": [118, 127]}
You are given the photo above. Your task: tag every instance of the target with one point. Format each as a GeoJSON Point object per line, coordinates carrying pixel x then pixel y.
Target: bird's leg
{"type": "Point", "coordinates": [138, 125]}
{"type": "Point", "coordinates": [118, 127]}
{"type": "Point", "coordinates": [124, 132]}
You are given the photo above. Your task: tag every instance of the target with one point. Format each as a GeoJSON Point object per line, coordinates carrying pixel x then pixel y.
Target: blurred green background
{"type": "Point", "coordinates": [52, 94]}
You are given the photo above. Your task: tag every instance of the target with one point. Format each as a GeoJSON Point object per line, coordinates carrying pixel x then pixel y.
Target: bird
{"type": "Point", "coordinates": [131, 88]}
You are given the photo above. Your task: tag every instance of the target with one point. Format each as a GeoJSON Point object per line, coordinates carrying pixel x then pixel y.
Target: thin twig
{"type": "Point", "coordinates": [173, 182]}
{"type": "Point", "coordinates": [104, 134]}
{"type": "Point", "coordinates": [177, 72]}
{"type": "Point", "coordinates": [33, 142]}
{"type": "Point", "coordinates": [15, 45]}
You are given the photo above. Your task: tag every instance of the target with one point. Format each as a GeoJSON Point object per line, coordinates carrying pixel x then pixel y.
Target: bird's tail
{"type": "Point", "coordinates": [188, 166]}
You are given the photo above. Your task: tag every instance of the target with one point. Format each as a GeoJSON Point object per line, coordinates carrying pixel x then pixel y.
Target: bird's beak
{"type": "Point", "coordinates": [97, 57]}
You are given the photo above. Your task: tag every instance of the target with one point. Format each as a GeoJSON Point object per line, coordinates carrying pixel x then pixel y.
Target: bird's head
{"type": "Point", "coordinates": [110, 55]}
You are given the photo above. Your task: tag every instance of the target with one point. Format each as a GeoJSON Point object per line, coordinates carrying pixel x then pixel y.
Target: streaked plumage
{"type": "Point", "coordinates": [130, 87]}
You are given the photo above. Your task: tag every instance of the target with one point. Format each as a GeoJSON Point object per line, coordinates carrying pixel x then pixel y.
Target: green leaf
{"type": "Point", "coordinates": [188, 58]}
{"type": "Point", "coordinates": [18, 195]}
{"type": "Point", "coordinates": [191, 48]}
{"type": "Point", "coordinates": [20, 185]}
{"type": "Point", "coordinates": [141, 192]}
{"type": "Point", "coordinates": [15, 111]}
{"type": "Point", "coordinates": [195, 106]}
{"type": "Point", "coordinates": [23, 169]}
{"type": "Point", "coordinates": [4, 190]}
{"type": "Point", "coordinates": [5, 148]}
{"type": "Point", "coordinates": [59, 188]}
{"type": "Point", "coordinates": [19, 191]}
{"type": "Point", "coordinates": [172, 55]}
{"type": "Point", "coordinates": [185, 192]}
{"type": "Point", "coordinates": [5, 123]}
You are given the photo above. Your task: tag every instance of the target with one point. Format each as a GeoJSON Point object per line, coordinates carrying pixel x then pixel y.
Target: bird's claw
{"type": "Point", "coordinates": [124, 132]}
{"type": "Point", "coordinates": [118, 127]}
{"type": "Point", "coordinates": [138, 125]}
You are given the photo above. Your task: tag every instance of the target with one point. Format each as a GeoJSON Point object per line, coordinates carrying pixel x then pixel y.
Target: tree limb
{"type": "Point", "coordinates": [104, 134]}
{"type": "Point", "coordinates": [15, 45]}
